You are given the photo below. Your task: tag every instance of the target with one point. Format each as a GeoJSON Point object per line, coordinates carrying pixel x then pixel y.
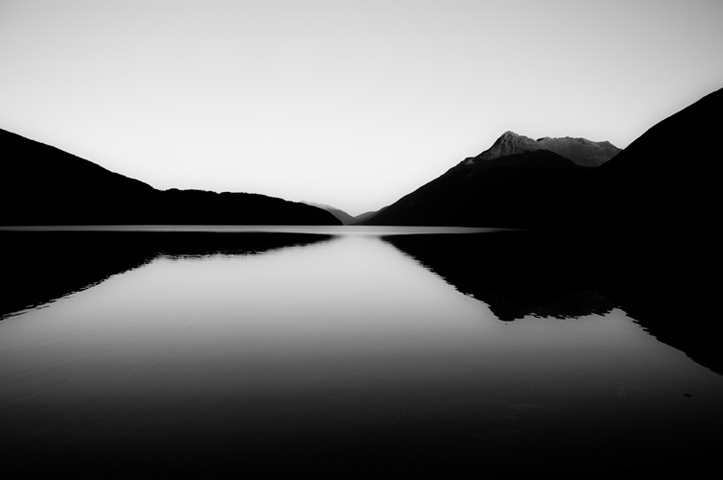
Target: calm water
{"type": "Point", "coordinates": [339, 355]}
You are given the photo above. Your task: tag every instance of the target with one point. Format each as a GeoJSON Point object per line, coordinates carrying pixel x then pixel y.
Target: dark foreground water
{"type": "Point", "coordinates": [337, 352]}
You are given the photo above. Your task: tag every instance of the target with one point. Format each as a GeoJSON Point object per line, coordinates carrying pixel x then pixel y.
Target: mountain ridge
{"type": "Point", "coordinates": [485, 189]}
{"type": "Point", "coordinates": [344, 217]}
{"type": "Point", "coordinates": [662, 178]}
{"type": "Point", "coordinates": [43, 185]}
{"type": "Point", "coordinates": [581, 151]}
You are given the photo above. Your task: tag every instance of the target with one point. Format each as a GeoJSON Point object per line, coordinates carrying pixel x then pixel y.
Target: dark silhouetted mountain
{"type": "Point", "coordinates": [484, 190]}
{"type": "Point", "coordinates": [636, 232]}
{"type": "Point", "coordinates": [42, 185]}
{"type": "Point", "coordinates": [203, 207]}
{"type": "Point", "coordinates": [650, 213]}
{"type": "Point", "coordinates": [667, 178]}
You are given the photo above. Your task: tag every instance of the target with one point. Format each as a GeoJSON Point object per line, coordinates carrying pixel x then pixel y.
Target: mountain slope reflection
{"type": "Point", "coordinates": [43, 266]}
{"type": "Point", "coordinates": [514, 277]}
{"type": "Point", "coordinates": [520, 273]}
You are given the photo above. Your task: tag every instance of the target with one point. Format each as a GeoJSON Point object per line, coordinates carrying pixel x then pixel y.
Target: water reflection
{"type": "Point", "coordinates": [339, 358]}
{"type": "Point", "coordinates": [515, 275]}
{"type": "Point", "coordinates": [524, 274]}
{"type": "Point", "coordinates": [41, 266]}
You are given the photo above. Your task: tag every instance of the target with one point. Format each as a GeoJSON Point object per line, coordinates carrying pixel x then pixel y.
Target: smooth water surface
{"type": "Point", "coordinates": [339, 356]}
{"type": "Point", "coordinates": [344, 230]}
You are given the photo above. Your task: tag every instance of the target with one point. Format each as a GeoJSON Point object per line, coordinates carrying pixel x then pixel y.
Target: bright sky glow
{"type": "Point", "coordinates": [349, 103]}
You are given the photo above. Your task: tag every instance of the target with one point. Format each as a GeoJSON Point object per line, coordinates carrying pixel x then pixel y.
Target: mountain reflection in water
{"type": "Point", "coordinates": [337, 355]}
{"type": "Point", "coordinates": [516, 276]}
{"type": "Point", "coordinates": [45, 265]}
{"type": "Point", "coordinates": [525, 273]}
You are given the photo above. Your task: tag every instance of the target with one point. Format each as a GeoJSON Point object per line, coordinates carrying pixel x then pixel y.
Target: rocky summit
{"type": "Point", "coordinates": [582, 151]}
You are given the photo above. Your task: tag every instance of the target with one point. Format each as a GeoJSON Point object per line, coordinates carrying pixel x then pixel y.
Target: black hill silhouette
{"type": "Point", "coordinates": [484, 190]}
{"type": "Point", "coordinates": [649, 214]}
{"type": "Point", "coordinates": [663, 179]}
{"type": "Point", "coordinates": [42, 185]}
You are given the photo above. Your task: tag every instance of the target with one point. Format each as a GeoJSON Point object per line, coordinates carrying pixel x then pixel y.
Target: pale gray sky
{"type": "Point", "coordinates": [350, 103]}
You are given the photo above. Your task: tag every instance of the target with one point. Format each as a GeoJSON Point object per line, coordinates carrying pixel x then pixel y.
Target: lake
{"type": "Point", "coordinates": [337, 351]}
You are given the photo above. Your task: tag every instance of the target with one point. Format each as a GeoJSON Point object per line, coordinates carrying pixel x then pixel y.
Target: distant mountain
{"type": "Point", "coordinates": [486, 189]}
{"type": "Point", "coordinates": [359, 219]}
{"type": "Point", "coordinates": [346, 218]}
{"type": "Point", "coordinates": [42, 185]}
{"type": "Point", "coordinates": [341, 215]}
